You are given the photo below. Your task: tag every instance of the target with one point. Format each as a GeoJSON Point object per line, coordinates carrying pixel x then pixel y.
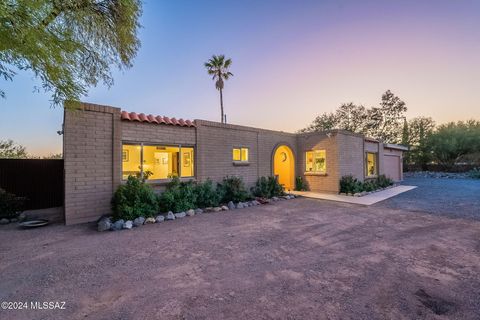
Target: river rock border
{"type": "Point", "coordinates": [106, 223]}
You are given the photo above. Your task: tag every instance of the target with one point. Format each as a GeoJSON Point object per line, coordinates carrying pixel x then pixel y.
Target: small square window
{"type": "Point", "coordinates": [316, 161]}
{"type": "Point", "coordinates": [240, 154]}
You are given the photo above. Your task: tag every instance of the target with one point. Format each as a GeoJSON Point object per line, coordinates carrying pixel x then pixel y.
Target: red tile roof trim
{"type": "Point", "coordinates": [132, 116]}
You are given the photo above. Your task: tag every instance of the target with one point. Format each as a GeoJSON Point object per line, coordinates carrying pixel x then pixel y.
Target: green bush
{"type": "Point", "coordinates": [178, 196]}
{"type": "Point", "coordinates": [350, 184]}
{"type": "Point", "coordinates": [10, 205]}
{"type": "Point", "coordinates": [207, 195]}
{"type": "Point", "coordinates": [300, 185]}
{"type": "Point", "coordinates": [474, 173]}
{"type": "Point", "coordinates": [232, 189]}
{"type": "Point", "coordinates": [134, 199]}
{"type": "Point", "coordinates": [267, 187]}
{"type": "Point", "coordinates": [382, 181]}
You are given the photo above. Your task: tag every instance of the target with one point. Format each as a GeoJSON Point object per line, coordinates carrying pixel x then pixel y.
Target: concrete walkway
{"type": "Point", "coordinates": [365, 200]}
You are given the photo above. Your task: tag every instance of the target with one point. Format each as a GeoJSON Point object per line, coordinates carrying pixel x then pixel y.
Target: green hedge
{"type": "Point", "coordinates": [267, 187]}
{"type": "Point", "coordinates": [10, 205]}
{"type": "Point", "coordinates": [350, 184]}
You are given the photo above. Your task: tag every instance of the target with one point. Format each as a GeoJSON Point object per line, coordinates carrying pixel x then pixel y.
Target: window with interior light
{"type": "Point", "coordinates": [371, 164]}
{"type": "Point", "coordinates": [316, 161]}
{"type": "Point", "coordinates": [157, 162]}
{"type": "Point", "coordinates": [240, 154]}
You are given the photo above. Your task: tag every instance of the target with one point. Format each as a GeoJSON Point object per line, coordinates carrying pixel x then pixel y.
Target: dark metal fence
{"type": "Point", "coordinates": [40, 181]}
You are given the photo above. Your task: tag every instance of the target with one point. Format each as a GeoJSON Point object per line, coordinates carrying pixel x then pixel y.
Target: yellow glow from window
{"type": "Point", "coordinates": [240, 154]}
{"type": "Point", "coordinates": [236, 155]}
{"type": "Point", "coordinates": [315, 161]}
{"type": "Point", "coordinates": [371, 164]}
{"type": "Point", "coordinates": [130, 160]}
{"type": "Point", "coordinates": [187, 162]}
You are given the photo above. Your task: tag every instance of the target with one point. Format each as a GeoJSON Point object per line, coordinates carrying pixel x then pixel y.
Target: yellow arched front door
{"type": "Point", "coordinates": [284, 166]}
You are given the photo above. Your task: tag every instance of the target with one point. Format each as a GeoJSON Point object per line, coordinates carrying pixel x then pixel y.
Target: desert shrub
{"type": "Point", "coordinates": [178, 196]}
{"type": "Point", "coordinates": [474, 173]}
{"type": "Point", "coordinates": [134, 199]}
{"type": "Point", "coordinates": [232, 189]}
{"type": "Point", "coordinates": [300, 184]}
{"type": "Point", "coordinates": [350, 184]}
{"type": "Point", "coordinates": [10, 205]}
{"type": "Point", "coordinates": [267, 187]}
{"type": "Point", "coordinates": [383, 181]}
{"type": "Point", "coordinates": [206, 194]}
{"type": "Point", "coordinates": [369, 185]}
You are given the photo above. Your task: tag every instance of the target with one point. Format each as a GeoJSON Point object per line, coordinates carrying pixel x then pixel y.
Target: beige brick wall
{"type": "Point", "coordinates": [351, 155]}
{"type": "Point", "coordinates": [90, 152]}
{"type": "Point", "coordinates": [215, 142]}
{"type": "Point", "coordinates": [133, 131]}
{"type": "Point", "coordinates": [319, 141]}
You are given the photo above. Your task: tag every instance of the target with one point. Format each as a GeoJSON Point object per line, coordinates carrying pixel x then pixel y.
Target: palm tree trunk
{"type": "Point", "coordinates": [221, 105]}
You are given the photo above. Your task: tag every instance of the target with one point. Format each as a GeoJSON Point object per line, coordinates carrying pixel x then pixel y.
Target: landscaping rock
{"type": "Point", "coordinates": [231, 205]}
{"type": "Point", "coordinates": [180, 215]}
{"type": "Point", "coordinates": [225, 208]}
{"type": "Point", "coordinates": [356, 194]}
{"type": "Point", "coordinates": [6, 221]}
{"type": "Point", "coordinates": [22, 217]}
{"type": "Point", "coordinates": [198, 211]}
{"type": "Point", "coordinates": [159, 218]}
{"type": "Point", "coordinates": [117, 225]}
{"type": "Point", "coordinates": [255, 203]}
{"type": "Point", "coordinates": [208, 209]}
{"type": "Point", "coordinates": [170, 216]}
{"type": "Point", "coordinates": [191, 213]}
{"type": "Point", "coordinates": [128, 224]}
{"type": "Point", "coordinates": [103, 224]}
{"type": "Point", "coordinates": [217, 209]}
{"type": "Point", "coordinates": [343, 194]}
{"type": "Point", "coordinates": [150, 220]}
{"type": "Point", "coordinates": [139, 221]}
{"type": "Point", "coordinates": [13, 220]}
{"type": "Point", "coordinates": [240, 205]}
{"type": "Point", "coordinates": [274, 198]}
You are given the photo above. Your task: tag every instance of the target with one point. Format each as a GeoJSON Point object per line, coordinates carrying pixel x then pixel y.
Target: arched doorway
{"type": "Point", "coordinates": [284, 166]}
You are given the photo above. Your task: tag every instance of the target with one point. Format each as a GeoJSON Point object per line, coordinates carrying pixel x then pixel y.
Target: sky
{"type": "Point", "coordinates": [292, 60]}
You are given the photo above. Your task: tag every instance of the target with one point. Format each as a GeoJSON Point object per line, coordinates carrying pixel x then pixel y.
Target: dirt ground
{"type": "Point", "coordinates": [296, 259]}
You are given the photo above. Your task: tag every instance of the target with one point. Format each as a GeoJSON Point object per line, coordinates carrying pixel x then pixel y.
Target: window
{"type": "Point", "coordinates": [316, 161]}
{"type": "Point", "coordinates": [371, 164]}
{"type": "Point", "coordinates": [157, 162]}
{"type": "Point", "coordinates": [240, 154]}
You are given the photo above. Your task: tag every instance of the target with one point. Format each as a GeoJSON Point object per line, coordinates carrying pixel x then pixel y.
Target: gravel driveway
{"type": "Point", "coordinates": [456, 198]}
{"type": "Point", "coordinates": [297, 259]}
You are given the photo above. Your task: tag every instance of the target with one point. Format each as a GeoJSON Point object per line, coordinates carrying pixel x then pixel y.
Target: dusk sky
{"type": "Point", "coordinates": [292, 60]}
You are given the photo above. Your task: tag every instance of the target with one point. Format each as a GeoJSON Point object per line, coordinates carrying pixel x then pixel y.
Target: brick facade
{"type": "Point", "coordinates": [93, 138]}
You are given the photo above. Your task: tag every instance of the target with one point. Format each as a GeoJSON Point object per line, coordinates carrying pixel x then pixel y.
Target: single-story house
{"type": "Point", "coordinates": [103, 145]}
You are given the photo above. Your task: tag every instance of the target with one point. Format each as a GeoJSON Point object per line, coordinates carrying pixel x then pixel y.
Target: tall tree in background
{"type": "Point", "coordinates": [68, 44]}
{"type": "Point", "coordinates": [420, 129]}
{"type": "Point", "coordinates": [384, 122]}
{"type": "Point", "coordinates": [451, 141]}
{"type": "Point", "coordinates": [12, 150]}
{"type": "Point", "coordinates": [218, 67]}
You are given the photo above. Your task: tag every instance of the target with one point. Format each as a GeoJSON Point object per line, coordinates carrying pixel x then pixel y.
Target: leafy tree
{"type": "Point", "coordinates": [386, 122]}
{"type": "Point", "coordinates": [218, 67]}
{"type": "Point", "coordinates": [453, 140]}
{"type": "Point", "coordinates": [419, 131]}
{"type": "Point", "coordinates": [323, 122]}
{"type": "Point", "coordinates": [54, 156]}
{"type": "Point", "coordinates": [12, 150]}
{"type": "Point", "coordinates": [68, 44]}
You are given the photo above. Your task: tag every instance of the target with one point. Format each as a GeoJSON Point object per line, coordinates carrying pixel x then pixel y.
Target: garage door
{"type": "Point", "coordinates": [391, 165]}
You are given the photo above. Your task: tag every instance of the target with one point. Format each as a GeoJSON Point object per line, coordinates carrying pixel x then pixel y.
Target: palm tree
{"type": "Point", "coordinates": [217, 67]}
